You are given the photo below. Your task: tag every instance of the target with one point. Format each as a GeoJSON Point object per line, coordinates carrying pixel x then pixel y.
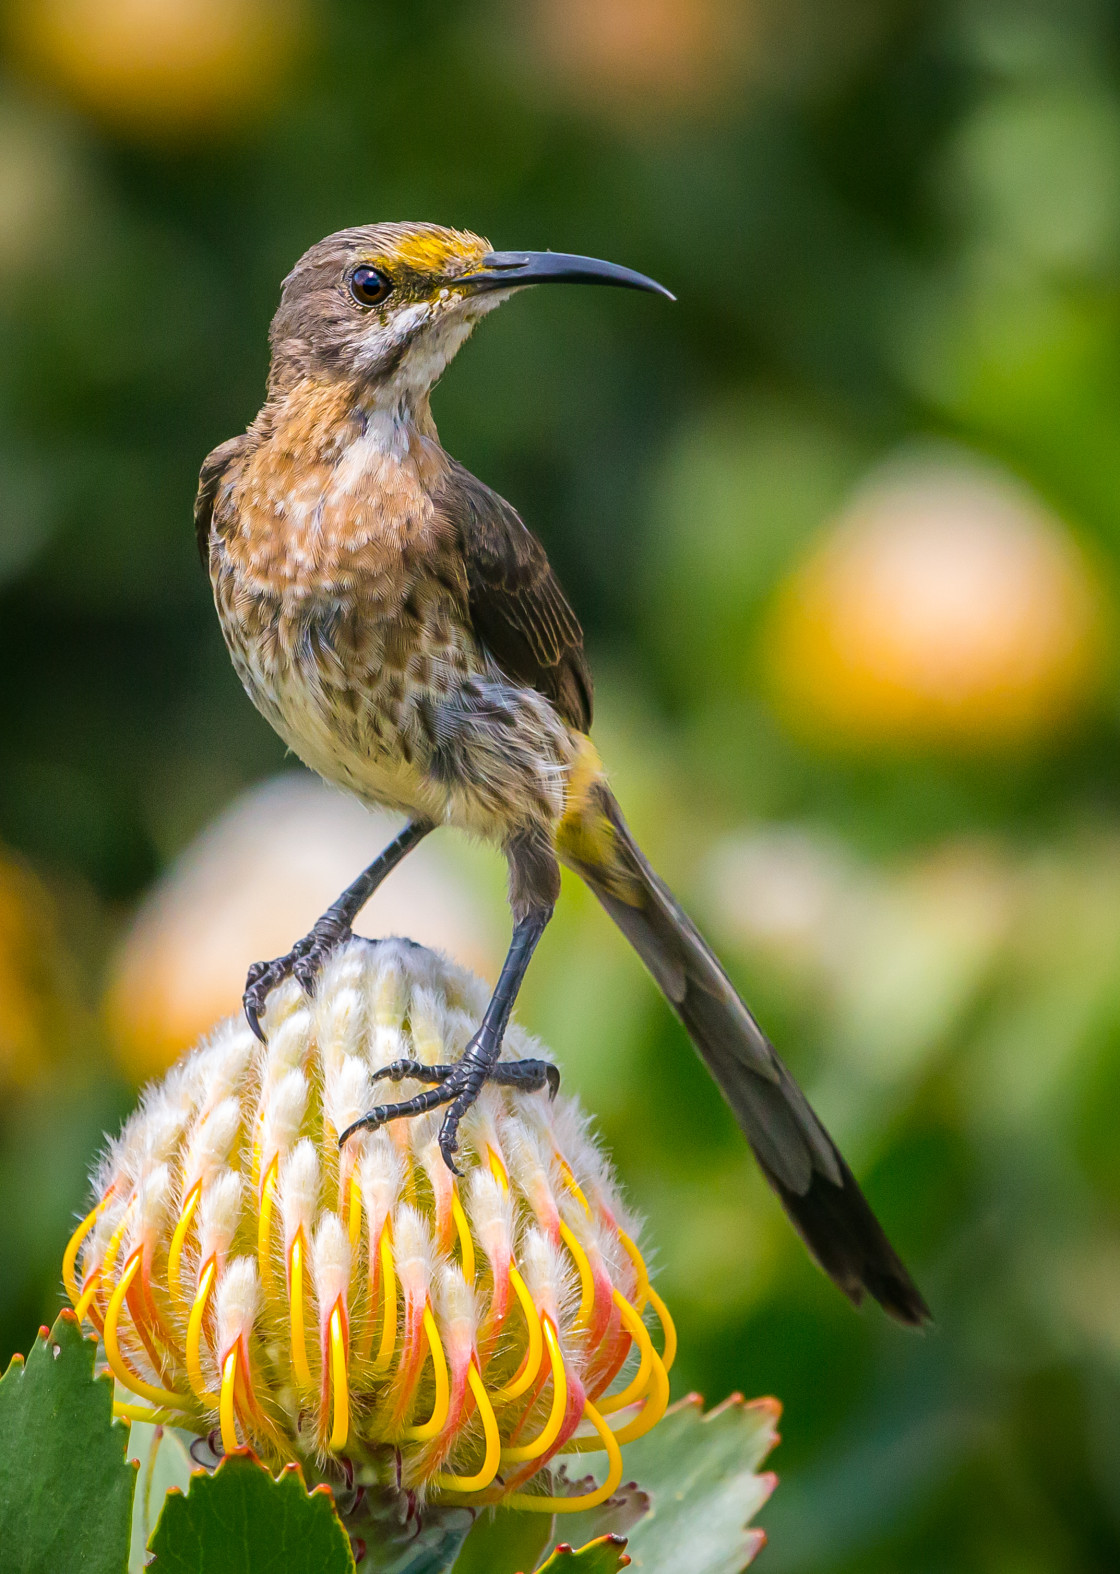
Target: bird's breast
{"type": "Point", "coordinates": [335, 503]}
{"type": "Point", "coordinates": [339, 589]}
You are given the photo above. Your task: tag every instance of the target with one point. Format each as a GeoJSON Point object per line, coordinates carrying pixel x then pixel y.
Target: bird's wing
{"type": "Point", "coordinates": [215, 467]}
{"type": "Point", "coordinates": [517, 608]}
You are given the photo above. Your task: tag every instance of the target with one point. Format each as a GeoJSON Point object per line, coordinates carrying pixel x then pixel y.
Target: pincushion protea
{"type": "Point", "coordinates": [248, 1276]}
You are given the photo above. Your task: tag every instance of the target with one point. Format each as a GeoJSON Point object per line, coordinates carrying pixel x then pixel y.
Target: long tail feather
{"type": "Point", "coordinates": [798, 1157]}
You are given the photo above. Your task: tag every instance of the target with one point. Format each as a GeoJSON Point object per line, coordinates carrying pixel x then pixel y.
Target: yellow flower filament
{"type": "Point", "coordinates": [194, 1333]}
{"type": "Point", "coordinates": [300, 1367]}
{"type": "Point", "coordinates": [586, 1277]}
{"type": "Point", "coordinates": [645, 1293]}
{"type": "Point", "coordinates": [340, 1393]}
{"type": "Point", "coordinates": [225, 1403]}
{"type": "Point", "coordinates": [442, 1405]}
{"type": "Point", "coordinates": [493, 1443]}
{"type": "Point", "coordinates": [668, 1328]}
{"type": "Point", "coordinates": [83, 1305]}
{"type": "Point", "coordinates": [640, 1381]}
{"type": "Point", "coordinates": [73, 1246]}
{"type": "Point", "coordinates": [575, 1505]}
{"type": "Point", "coordinates": [178, 1240]}
{"type": "Point", "coordinates": [264, 1229]}
{"type": "Point", "coordinates": [654, 1408]}
{"type": "Point", "coordinates": [572, 1184]}
{"type": "Point", "coordinates": [551, 1430]}
{"type": "Point", "coordinates": [534, 1352]}
{"type": "Point", "coordinates": [129, 1412]}
{"type": "Point", "coordinates": [466, 1245]}
{"type": "Point", "coordinates": [656, 1402]}
{"type": "Point", "coordinates": [115, 1240]}
{"type": "Point", "coordinates": [158, 1396]}
{"type": "Point", "coordinates": [641, 1295]}
{"type": "Point", "coordinates": [388, 1301]}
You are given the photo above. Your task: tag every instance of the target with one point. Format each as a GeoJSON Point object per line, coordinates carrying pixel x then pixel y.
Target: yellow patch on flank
{"type": "Point", "coordinates": [584, 833]}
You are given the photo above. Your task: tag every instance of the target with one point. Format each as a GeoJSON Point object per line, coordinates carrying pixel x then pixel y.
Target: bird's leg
{"type": "Point", "coordinates": [307, 956]}
{"type": "Point", "coordinates": [535, 884]}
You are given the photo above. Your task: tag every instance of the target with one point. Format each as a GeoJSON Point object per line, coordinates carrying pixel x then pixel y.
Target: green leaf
{"type": "Point", "coordinates": [605, 1556]}
{"type": "Point", "coordinates": [163, 1455]}
{"type": "Point", "coordinates": [65, 1489]}
{"type": "Point", "coordinates": [242, 1520]}
{"type": "Point", "coordinates": [697, 1489]}
{"type": "Point", "coordinates": [700, 1473]}
{"type": "Point", "coordinates": [506, 1541]}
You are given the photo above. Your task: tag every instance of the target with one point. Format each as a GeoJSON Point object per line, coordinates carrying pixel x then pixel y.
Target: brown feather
{"type": "Point", "coordinates": [215, 468]}
{"type": "Point", "coordinates": [519, 612]}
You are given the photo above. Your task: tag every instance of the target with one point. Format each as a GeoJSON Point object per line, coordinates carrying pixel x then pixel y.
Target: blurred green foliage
{"type": "Point", "coordinates": [884, 220]}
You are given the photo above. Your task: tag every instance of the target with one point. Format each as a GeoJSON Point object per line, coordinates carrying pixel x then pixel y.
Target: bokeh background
{"type": "Point", "coordinates": [843, 526]}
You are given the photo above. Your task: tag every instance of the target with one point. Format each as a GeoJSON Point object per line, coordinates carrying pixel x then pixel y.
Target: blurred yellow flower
{"type": "Point", "coordinates": [946, 606]}
{"type": "Point", "coordinates": [160, 66]}
{"type": "Point", "coordinates": [453, 1335]}
{"type": "Point", "coordinates": [250, 883]}
{"type": "Point", "coordinates": [35, 1020]}
{"type": "Point", "coordinates": [660, 49]}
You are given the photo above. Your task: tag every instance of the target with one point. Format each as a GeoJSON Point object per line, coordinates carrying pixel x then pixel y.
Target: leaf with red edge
{"type": "Point", "coordinates": [605, 1556]}
{"type": "Point", "coordinates": [243, 1520]}
{"type": "Point", "coordinates": [700, 1474]}
{"type": "Point", "coordinates": [65, 1489]}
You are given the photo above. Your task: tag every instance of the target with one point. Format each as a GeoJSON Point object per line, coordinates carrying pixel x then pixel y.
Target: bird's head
{"type": "Point", "coordinates": [388, 305]}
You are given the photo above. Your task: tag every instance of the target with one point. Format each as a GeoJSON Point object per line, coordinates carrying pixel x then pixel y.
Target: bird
{"type": "Point", "coordinates": [403, 631]}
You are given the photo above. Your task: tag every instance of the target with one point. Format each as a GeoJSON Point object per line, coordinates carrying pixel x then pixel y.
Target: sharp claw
{"type": "Point", "coordinates": [366, 1123]}
{"type": "Point", "coordinates": [253, 1019]}
{"type": "Point", "coordinates": [552, 1077]}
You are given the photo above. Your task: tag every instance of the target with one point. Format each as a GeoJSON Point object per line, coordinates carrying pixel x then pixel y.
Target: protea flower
{"type": "Point", "coordinates": [247, 1276]}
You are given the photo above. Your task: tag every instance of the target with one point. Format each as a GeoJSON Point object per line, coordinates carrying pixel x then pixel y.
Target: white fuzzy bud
{"type": "Point", "coordinates": [238, 1302]}
{"type": "Point", "coordinates": [412, 1253]}
{"type": "Point", "coordinates": [225, 1064]}
{"type": "Point", "coordinates": [346, 1095]}
{"type": "Point", "coordinates": [284, 1108]}
{"type": "Point", "coordinates": [532, 1167]}
{"type": "Point", "coordinates": [288, 1044]}
{"type": "Point", "coordinates": [380, 1178]}
{"type": "Point", "coordinates": [457, 1313]}
{"type": "Point", "coordinates": [299, 1191]}
{"type": "Point", "coordinates": [330, 1262]}
{"type": "Point", "coordinates": [428, 1022]}
{"type": "Point", "coordinates": [547, 1276]}
{"type": "Point", "coordinates": [218, 1213]}
{"type": "Point", "coordinates": [154, 1198]}
{"type": "Point", "coordinates": [490, 1210]}
{"type": "Point", "coordinates": [211, 1142]}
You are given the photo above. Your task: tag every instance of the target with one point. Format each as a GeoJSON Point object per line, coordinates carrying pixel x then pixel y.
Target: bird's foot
{"type": "Point", "coordinates": [304, 962]}
{"type": "Point", "coordinates": [456, 1086]}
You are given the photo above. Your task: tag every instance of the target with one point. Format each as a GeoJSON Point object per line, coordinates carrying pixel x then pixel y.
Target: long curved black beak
{"type": "Point", "coordinates": [510, 270]}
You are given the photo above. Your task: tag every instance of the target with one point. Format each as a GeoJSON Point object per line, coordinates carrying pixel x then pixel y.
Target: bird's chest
{"type": "Point", "coordinates": [340, 603]}
{"type": "Point", "coordinates": [326, 510]}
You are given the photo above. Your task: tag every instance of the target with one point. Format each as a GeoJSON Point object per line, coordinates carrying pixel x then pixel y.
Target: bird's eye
{"type": "Point", "coordinates": [368, 285]}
